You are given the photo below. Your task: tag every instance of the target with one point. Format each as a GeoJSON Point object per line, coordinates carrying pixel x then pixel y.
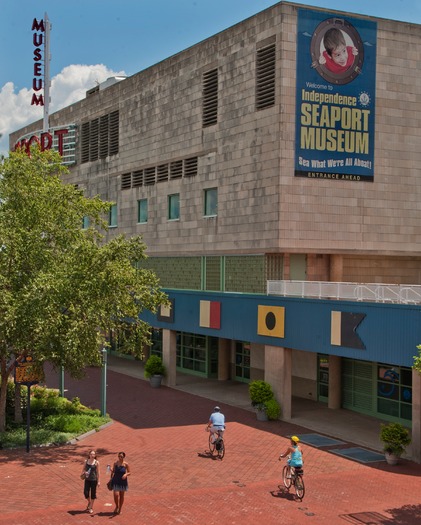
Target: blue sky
{"type": "Point", "coordinates": [94, 39]}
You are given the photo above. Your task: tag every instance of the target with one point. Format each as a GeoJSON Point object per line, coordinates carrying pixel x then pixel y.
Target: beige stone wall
{"type": "Point", "coordinates": [383, 216]}
{"type": "Point", "coordinates": [249, 155]}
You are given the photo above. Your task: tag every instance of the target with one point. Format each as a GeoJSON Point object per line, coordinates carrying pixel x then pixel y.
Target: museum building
{"type": "Point", "coordinates": [273, 172]}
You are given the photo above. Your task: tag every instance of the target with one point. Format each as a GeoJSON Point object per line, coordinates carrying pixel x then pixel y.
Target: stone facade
{"type": "Point", "coordinates": [248, 155]}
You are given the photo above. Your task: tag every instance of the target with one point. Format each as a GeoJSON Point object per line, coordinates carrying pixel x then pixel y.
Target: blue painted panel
{"type": "Point", "coordinates": [389, 332]}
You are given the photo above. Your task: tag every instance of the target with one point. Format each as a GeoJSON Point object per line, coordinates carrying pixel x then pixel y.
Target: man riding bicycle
{"type": "Point", "coordinates": [216, 423]}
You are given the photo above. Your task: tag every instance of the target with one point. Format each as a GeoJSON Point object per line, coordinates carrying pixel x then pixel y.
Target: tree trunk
{"type": "Point", "coordinates": [4, 376]}
{"type": "Point", "coordinates": [18, 404]}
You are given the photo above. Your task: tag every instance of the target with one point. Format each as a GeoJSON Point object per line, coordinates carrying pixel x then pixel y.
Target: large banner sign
{"type": "Point", "coordinates": [335, 101]}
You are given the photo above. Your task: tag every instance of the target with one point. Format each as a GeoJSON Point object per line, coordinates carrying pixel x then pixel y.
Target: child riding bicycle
{"type": "Point", "coordinates": [294, 452]}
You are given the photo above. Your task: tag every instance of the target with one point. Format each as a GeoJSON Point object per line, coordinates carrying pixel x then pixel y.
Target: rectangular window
{"type": "Point", "coordinates": [210, 98]}
{"type": "Point", "coordinates": [265, 77]}
{"type": "Point", "coordinates": [142, 211]}
{"type": "Point", "coordinates": [174, 206]}
{"type": "Point", "coordinates": [112, 217]}
{"type": "Point", "coordinates": [85, 223]}
{"type": "Point", "coordinates": [211, 202]}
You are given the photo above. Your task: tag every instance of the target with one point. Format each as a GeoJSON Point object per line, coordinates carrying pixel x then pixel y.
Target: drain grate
{"type": "Point", "coordinates": [366, 518]}
{"type": "Point", "coordinates": [317, 440]}
{"type": "Point", "coordinates": [359, 454]}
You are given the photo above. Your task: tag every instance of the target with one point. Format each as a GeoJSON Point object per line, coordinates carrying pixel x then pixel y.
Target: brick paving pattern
{"type": "Point", "coordinates": [174, 481]}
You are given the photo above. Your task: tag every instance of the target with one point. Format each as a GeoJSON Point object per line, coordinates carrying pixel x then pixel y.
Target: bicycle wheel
{"type": "Point", "coordinates": [211, 443]}
{"type": "Point", "coordinates": [221, 451]}
{"type": "Point", "coordinates": [299, 486]}
{"type": "Point", "coordinates": [286, 476]}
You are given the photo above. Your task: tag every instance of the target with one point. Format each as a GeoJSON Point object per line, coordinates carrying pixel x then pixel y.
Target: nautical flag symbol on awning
{"type": "Point", "coordinates": [343, 329]}
{"type": "Point", "coordinates": [210, 314]}
{"type": "Point", "coordinates": [271, 320]}
{"type": "Point", "coordinates": [166, 312]}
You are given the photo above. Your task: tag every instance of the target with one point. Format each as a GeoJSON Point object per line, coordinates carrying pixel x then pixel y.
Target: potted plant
{"type": "Point", "coordinates": [260, 392]}
{"type": "Point", "coordinates": [154, 370]}
{"type": "Point", "coordinates": [395, 438]}
{"type": "Point", "coordinates": [272, 408]}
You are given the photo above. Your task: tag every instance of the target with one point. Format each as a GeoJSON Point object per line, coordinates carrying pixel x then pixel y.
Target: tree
{"type": "Point", "coordinates": [62, 287]}
{"type": "Point", "coordinates": [417, 360]}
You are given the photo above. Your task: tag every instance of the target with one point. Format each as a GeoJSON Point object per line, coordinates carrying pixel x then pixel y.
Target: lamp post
{"type": "Point", "coordinates": [61, 381]}
{"type": "Point", "coordinates": [104, 383]}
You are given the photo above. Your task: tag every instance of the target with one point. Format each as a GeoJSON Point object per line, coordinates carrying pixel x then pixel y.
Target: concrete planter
{"type": "Point", "coordinates": [155, 381]}
{"type": "Point", "coordinates": [261, 415]}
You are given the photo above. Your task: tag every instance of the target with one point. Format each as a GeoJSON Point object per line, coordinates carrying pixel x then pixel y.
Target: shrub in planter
{"type": "Point", "coordinates": [273, 408]}
{"type": "Point", "coordinates": [260, 392]}
{"type": "Point", "coordinates": [395, 438]}
{"type": "Point", "coordinates": [154, 366]}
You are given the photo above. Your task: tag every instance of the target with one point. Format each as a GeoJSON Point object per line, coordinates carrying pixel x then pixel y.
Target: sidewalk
{"type": "Point", "coordinates": [174, 481]}
{"type": "Point", "coordinates": [342, 424]}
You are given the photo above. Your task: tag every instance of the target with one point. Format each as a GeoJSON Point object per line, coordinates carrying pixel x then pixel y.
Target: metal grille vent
{"type": "Point", "coordinates": [210, 98]}
{"type": "Point", "coordinates": [190, 167]}
{"type": "Point", "coordinates": [162, 173]}
{"type": "Point", "coordinates": [265, 77]}
{"type": "Point", "coordinates": [176, 169]}
{"type": "Point", "coordinates": [149, 176]}
{"type": "Point", "coordinates": [126, 181]}
{"type": "Point", "coordinates": [137, 178]}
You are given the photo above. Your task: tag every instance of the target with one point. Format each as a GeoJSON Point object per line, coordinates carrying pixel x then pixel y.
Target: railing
{"type": "Point", "coordinates": [379, 293]}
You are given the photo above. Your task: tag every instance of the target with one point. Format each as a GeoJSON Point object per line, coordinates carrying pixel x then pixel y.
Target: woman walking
{"type": "Point", "coordinates": [90, 473]}
{"type": "Point", "coordinates": [119, 474]}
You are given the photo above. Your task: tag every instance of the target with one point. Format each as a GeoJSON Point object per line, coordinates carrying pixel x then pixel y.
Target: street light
{"type": "Point", "coordinates": [104, 382]}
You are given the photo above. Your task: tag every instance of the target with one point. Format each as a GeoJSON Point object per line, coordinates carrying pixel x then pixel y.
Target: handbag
{"type": "Point", "coordinates": [110, 484]}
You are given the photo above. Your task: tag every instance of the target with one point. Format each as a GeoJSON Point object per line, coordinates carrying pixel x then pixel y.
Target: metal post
{"type": "Point", "coordinates": [61, 381]}
{"type": "Point", "coordinates": [28, 417]}
{"type": "Point", "coordinates": [104, 383]}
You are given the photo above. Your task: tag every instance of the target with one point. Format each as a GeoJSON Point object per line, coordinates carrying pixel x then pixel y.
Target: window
{"type": "Point", "coordinates": [174, 206]}
{"type": "Point", "coordinates": [85, 223]}
{"type": "Point", "coordinates": [211, 202]}
{"type": "Point", "coordinates": [112, 217]}
{"type": "Point", "coordinates": [210, 98]}
{"type": "Point", "coordinates": [142, 211]}
{"type": "Point", "coordinates": [265, 77]}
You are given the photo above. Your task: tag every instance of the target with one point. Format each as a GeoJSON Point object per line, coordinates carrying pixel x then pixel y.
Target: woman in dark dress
{"type": "Point", "coordinates": [119, 474]}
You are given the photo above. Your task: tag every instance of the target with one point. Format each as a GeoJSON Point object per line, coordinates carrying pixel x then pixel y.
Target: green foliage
{"type": "Point", "coordinates": [10, 398]}
{"type": "Point", "coordinates": [395, 438]}
{"type": "Point", "coordinates": [417, 360]}
{"type": "Point", "coordinates": [260, 391]}
{"type": "Point", "coordinates": [63, 288]}
{"type": "Point", "coordinates": [54, 419]}
{"type": "Point", "coordinates": [272, 408]}
{"type": "Point", "coordinates": [154, 366]}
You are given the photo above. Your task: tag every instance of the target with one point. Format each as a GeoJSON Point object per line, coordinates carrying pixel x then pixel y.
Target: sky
{"type": "Point", "coordinates": [92, 40]}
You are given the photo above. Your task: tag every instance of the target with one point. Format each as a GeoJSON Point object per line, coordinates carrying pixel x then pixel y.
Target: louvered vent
{"type": "Point", "coordinates": [210, 98]}
{"type": "Point", "coordinates": [190, 167]}
{"type": "Point", "coordinates": [93, 140]}
{"type": "Point", "coordinates": [149, 176]}
{"type": "Point", "coordinates": [162, 173]}
{"type": "Point", "coordinates": [176, 169]}
{"type": "Point", "coordinates": [103, 136]}
{"type": "Point", "coordinates": [137, 178]}
{"type": "Point", "coordinates": [265, 77]}
{"type": "Point", "coordinates": [85, 142]}
{"type": "Point", "coordinates": [114, 133]}
{"type": "Point", "coordinates": [126, 181]}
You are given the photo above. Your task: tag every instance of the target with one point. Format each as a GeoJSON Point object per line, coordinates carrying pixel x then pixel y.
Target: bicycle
{"type": "Point", "coordinates": [216, 444]}
{"type": "Point", "coordinates": [294, 476]}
